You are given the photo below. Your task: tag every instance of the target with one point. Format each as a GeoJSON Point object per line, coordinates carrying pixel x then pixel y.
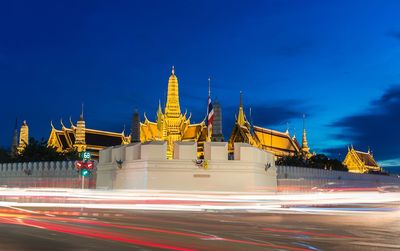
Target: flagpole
{"type": "Point", "coordinates": [208, 110]}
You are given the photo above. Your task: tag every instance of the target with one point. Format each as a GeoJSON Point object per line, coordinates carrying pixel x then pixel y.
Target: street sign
{"type": "Point", "coordinates": [85, 155]}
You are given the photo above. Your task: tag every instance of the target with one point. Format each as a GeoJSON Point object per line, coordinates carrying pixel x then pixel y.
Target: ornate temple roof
{"type": "Point", "coordinates": [273, 139]}
{"type": "Point", "coordinates": [360, 162]}
{"type": "Point", "coordinates": [64, 139]}
{"type": "Point", "coordinates": [280, 143]}
{"type": "Point", "coordinates": [367, 158]}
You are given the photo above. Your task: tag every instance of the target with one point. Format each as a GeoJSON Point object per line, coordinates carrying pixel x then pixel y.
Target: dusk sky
{"type": "Point", "coordinates": [336, 61]}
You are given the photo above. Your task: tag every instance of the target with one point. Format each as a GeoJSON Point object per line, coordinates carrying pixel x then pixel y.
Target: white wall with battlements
{"type": "Point", "coordinates": [216, 173]}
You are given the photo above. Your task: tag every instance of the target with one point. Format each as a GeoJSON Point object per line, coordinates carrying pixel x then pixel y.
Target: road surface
{"type": "Point", "coordinates": [329, 227]}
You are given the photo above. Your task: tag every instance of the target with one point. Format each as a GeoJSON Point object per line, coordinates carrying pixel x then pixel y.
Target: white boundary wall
{"type": "Point", "coordinates": [292, 178]}
{"type": "Point", "coordinates": [42, 174]}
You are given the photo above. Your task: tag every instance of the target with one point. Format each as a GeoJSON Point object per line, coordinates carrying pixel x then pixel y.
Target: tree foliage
{"type": "Point", "coordinates": [4, 156]}
{"type": "Point", "coordinates": [319, 161]}
{"type": "Point", "coordinates": [38, 151]}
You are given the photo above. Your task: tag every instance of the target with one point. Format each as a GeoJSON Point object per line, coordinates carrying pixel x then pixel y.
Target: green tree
{"type": "Point", "coordinates": [295, 160]}
{"type": "Point", "coordinates": [319, 161]}
{"type": "Point", "coordinates": [4, 156]}
{"type": "Point", "coordinates": [39, 151]}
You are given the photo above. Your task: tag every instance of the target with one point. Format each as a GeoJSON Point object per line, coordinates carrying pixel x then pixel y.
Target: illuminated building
{"type": "Point", "coordinates": [279, 143]}
{"type": "Point", "coordinates": [360, 162]}
{"type": "Point", "coordinates": [79, 138]}
{"type": "Point", "coordinates": [171, 125]}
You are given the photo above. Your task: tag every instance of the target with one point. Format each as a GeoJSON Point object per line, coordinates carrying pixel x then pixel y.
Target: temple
{"type": "Point", "coordinates": [171, 125]}
{"type": "Point", "coordinates": [279, 143]}
{"type": "Point", "coordinates": [79, 138]}
{"type": "Point", "coordinates": [360, 162]}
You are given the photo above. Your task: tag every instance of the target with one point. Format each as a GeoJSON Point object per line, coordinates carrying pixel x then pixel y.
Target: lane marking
{"type": "Point", "coordinates": [22, 210]}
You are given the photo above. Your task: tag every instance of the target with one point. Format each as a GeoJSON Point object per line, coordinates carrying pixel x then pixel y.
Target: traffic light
{"type": "Point", "coordinates": [78, 165]}
{"type": "Point", "coordinates": [84, 168]}
{"type": "Point", "coordinates": [85, 172]}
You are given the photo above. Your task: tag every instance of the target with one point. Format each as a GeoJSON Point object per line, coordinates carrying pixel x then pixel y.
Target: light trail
{"type": "Point", "coordinates": [197, 201]}
{"type": "Point", "coordinates": [36, 222]}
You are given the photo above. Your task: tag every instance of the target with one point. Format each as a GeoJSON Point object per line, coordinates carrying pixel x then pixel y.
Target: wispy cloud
{"type": "Point", "coordinates": [394, 34]}
{"type": "Point", "coordinates": [377, 127]}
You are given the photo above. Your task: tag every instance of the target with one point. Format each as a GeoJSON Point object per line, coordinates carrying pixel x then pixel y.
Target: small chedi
{"type": "Point", "coordinates": [360, 162]}
{"type": "Point", "coordinates": [19, 143]}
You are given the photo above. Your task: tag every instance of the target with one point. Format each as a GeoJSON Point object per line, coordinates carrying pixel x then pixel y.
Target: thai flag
{"type": "Point", "coordinates": [210, 118]}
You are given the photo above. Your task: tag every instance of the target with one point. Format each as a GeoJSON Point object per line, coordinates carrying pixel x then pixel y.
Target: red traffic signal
{"type": "Point", "coordinates": [84, 165]}
{"type": "Point", "coordinates": [84, 168]}
{"type": "Point", "coordinates": [89, 165]}
{"type": "Point", "coordinates": [78, 164]}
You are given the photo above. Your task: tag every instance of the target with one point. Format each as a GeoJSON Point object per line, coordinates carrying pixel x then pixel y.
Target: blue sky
{"type": "Point", "coordinates": [336, 61]}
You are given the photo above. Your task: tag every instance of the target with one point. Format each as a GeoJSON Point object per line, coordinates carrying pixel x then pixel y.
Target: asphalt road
{"type": "Point", "coordinates": [97, 230]}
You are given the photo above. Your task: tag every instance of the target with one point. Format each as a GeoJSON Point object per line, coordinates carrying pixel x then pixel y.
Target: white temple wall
{"type": "Point", "coordinates": [118, 153]}
{"type": "Point", "coordinates": [105, 155]}
{"type": "Point", "coordinates": [216, 150]}
{"type": "Point", "coordinates": [185, 150]}
{"type": "Point", "coordinates": [182, 173]}
{"type": "Point", "coordinates": [154, 150]}
{"type": "Point", "coordinates": [132, 151]}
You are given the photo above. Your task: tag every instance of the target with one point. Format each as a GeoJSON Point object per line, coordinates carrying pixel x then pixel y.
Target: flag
{"type": "Point", "coordinates": [210, 113]}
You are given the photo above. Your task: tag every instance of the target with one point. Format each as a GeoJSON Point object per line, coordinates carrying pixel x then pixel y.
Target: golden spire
{"type": "Point", "coordinates": [172, 108]}
{"type": "Point", "coordinates": [159, 111]}
{"type": "Point", "coordinates": [241, 120]}
{"type": "Point", "coordinates": [23, 137]}
{"type": "Point", "coordinates": [80, 134]}
{"type": "Point", "coordinates": [159, 116]}
{"type": "Point", "coordinates": [304, 146]}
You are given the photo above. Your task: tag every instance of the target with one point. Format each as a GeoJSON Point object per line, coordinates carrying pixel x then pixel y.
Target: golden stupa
{"type": "Point", "coordinates": [171, 125]}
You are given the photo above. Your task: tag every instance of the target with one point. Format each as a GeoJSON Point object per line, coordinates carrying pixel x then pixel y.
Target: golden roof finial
{"type": "Point", "coordinates": [159, 112]}
{"type": "Point", "coordinates": [241, 120]}
{"type": "Point", "coordinates": [241, 99]}
{"type": "Point", "coordinates": [173, 70]}
{"type": "Point", "coordinates": [62, 124]}
{"type": "Point", "coordinates": [304, 146]}
{"type": "Point", "coordinates": [70, 121]}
